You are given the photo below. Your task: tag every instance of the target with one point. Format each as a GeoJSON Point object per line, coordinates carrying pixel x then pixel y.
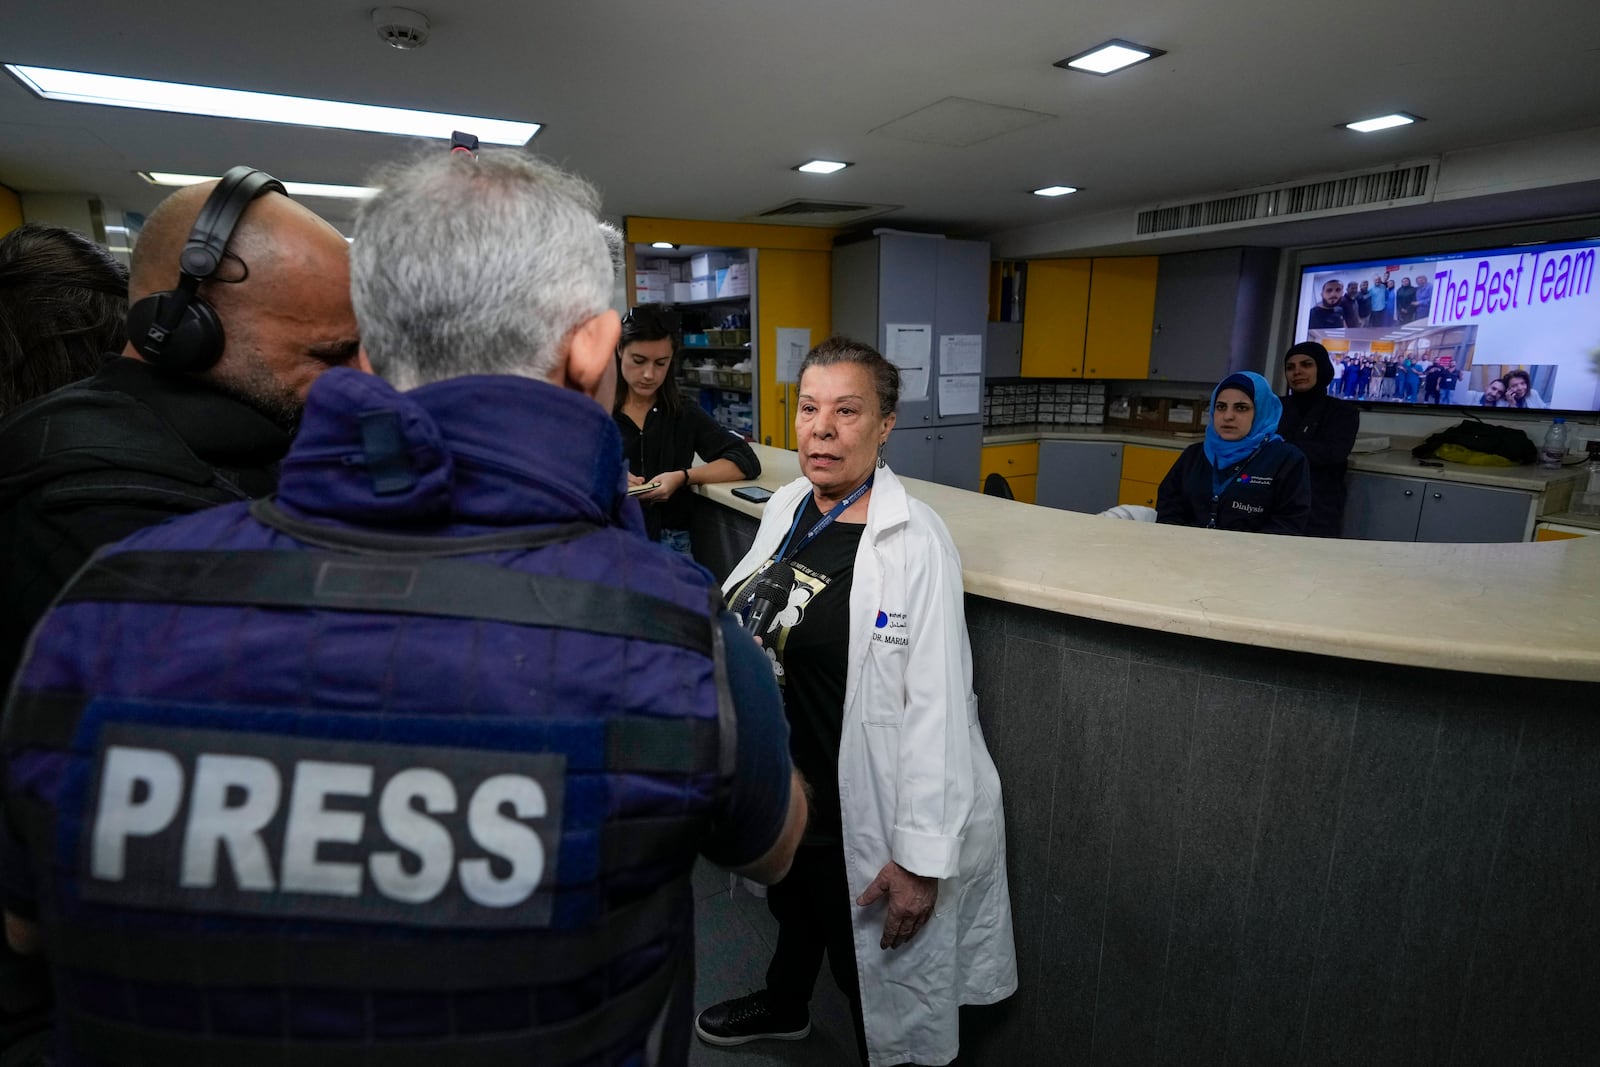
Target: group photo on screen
{"type": "Point", "coordinates": [1511, 385]}
{"type": "Point", "coordinates": [1511, 327]}
{"type": "Point", "coordinates": [1371, 296]}
{"type": "Point", "coordinates": [1419, 365]}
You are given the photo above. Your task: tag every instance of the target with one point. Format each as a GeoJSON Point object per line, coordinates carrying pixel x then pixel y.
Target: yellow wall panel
{"type": "Point", "coordinates": [10, 210]}
{"type": "Point", "coordinates": [729, 234]}
{"type": "Point", "coordinates": [793, 291]}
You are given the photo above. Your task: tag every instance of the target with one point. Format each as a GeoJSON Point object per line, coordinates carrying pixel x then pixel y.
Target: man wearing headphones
{"type": "Point", "coordinates": [239, 299]}
{"type": "Point", "coordinates": [410, 763]}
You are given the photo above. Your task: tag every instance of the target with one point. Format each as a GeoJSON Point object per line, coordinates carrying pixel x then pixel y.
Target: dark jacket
{"type": "Point", "coordinates": [1325, 430]}
{"type": "Point", "coordinates": [451, 594]}
{"type": "Point", "coordinates": [99, 459]}
{"type": "Point", "coordinates": [670, 443]}
{"type": "Point", "coordinates": [1270, 492]}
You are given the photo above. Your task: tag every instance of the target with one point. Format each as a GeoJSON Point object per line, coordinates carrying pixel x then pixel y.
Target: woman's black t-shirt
{"type": "Point", "coordinates": [810, 649]}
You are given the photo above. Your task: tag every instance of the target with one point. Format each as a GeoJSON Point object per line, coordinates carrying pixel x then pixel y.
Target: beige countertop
{"type": "Point", "coordinates": [1397, 460]}
{"type": "Point", "coordinates": [1527, 610]}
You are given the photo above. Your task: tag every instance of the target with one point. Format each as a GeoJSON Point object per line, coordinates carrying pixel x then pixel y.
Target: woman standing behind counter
{"type": "Point", "coordinates": [661, 434]}
{"type": "Point", "coordinates": [872, 654]}
{"type": "Point", "coordinates": [1321, 427]}
{"type": "Point", "coordinates": [1243, 476]}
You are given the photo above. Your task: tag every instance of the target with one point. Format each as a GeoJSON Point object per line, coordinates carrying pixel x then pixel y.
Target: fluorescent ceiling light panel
{"type": "Point", "coordinates": [1055, 190]}
{"type": "Point", "coordinates": [821, 166]}
{"type": "Point", "coordinates": [1110, 57]}
{"type": "Point", "coordinates": [1382, 122]}
{"type": "Point", "coordinates": [82, 88]}
{"type": "Point", "coordinates": [335, 192]}
{"type": "Point", "coordinates": [662, 244]}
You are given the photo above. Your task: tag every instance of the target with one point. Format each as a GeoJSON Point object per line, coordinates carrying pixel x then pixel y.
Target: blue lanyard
{"type": "Point", "coordinates": [823, 523]}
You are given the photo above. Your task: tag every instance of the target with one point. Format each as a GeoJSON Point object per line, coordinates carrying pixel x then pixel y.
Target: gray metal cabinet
{"type": "Point", "coordinates": [909, 452]}
{"type": "Point", "coordinates": [1079, 475]}
{"type": "Point", "coordinates": [957, 455]}
{"type": "Point", "coordinates": [1471, 513]}
{"type": "Point", "coordinates": [898, 278]}
{"type": "Point", "coordinates": [1213, 313]}
{"type": "Point", "coordinates": [949, 455]}
{"type": "Point", "coordinates": [1003, 351]}
{"type": "Point", "coordinates": [1380, 507]}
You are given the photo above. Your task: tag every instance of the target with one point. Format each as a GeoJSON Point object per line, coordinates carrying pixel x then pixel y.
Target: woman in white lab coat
{"type": "Point", "coordinates": [901, 880]}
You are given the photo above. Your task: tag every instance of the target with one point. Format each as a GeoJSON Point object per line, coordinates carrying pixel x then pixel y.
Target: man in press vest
{"type": "Point", "coordinates": [408, 764]}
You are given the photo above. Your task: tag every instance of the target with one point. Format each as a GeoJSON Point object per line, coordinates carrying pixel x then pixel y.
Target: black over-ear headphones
{"type": "Point", "coordinates": [177, 330]}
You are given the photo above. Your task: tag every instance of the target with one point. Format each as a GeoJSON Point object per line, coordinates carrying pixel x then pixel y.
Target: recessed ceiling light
{"type": "Point", "coordinates": [336, 192]}
{"type": "Point", "coordinates": [662, 244]}
{"type": "Point", "coordinates": [83, 88]}
{"type": "Point", "coordinates": [1110, 57]}
{"type": "Point", "coordinates": [821, 166]}
{"type": "Point", "coordinates": [1055, 190]}
{"type": "Point", "coordinates": [1382, 122]}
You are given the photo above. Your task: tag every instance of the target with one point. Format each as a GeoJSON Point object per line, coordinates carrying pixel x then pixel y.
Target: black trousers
{"type": "Point", "coordinates": [812, 905]}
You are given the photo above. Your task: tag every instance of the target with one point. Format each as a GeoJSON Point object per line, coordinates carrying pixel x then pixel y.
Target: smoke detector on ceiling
{"type": "Point", "coordinates": [401, 27]}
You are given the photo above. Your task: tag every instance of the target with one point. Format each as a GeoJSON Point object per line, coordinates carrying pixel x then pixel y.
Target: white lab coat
{"type": "Point", "coordinates": [916, 783]}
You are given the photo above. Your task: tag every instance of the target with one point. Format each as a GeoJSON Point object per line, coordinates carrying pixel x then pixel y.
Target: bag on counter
{"type": "Point", "coordinates": [1481, 443]}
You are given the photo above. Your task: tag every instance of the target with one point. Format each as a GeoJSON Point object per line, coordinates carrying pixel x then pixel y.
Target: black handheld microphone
{"type": "Point", "coordinates": [769, 597]}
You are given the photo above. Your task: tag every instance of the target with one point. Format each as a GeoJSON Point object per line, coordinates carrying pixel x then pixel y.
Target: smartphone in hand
{"type": "Point", "coordinates": [635, 490]}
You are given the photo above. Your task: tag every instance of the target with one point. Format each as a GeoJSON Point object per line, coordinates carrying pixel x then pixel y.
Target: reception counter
{"type": "Point", "coordinates": [1528, 610]}
{"type": "Point", "coordinates": [1278, 800]}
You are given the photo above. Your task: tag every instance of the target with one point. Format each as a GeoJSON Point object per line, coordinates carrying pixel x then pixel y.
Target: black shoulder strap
{"type": "Point", "coordinates": [389, 584]}
{"type": "Point", "coordinates": [373, 542]}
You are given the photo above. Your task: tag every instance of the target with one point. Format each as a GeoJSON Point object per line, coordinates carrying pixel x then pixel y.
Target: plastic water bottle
{"type": "Point", "coordinates": [1587, 500]}
{"type": "Point", "coordinates": [1555, 446]}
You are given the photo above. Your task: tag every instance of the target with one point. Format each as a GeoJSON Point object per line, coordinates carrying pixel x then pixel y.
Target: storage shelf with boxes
{"type": "Point", "coordinates": [710, 288]}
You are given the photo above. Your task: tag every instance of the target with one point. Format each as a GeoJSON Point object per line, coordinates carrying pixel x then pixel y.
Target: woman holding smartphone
{"type": "Point", "coordinates": [662, 433]}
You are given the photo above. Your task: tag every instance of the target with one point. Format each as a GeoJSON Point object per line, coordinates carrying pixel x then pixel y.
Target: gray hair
{"type": "Point", "coordinates": [475, 266]}
{"type": "Point", "coordinates": [840, 349]}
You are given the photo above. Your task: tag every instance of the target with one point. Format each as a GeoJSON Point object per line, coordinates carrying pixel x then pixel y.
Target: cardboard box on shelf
{"type": "Point", "coordinates": [734, 279]}
{"type": "Point", "coordinates": [682, 291]}
{"type": "Point", "coordinates": [650, 287]}
{"type": "Point", "coordinates": [706, 264]}
{"type": "Point", "coordinates": [701, 289]}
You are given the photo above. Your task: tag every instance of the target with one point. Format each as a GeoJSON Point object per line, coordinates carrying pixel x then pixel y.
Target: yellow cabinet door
{"type": "Point", "coordinates": [1008, 461]}
{"type": "Point", "coordinates": [1147, 464]}
{"type": "Point", "coordinates": [1132, 492]}
{"type": "Point", "coordinates": [1055, 318]}
{"type": "Point", "coordinates": [1024, 486]}
{"type": "Point", "coordinates": [1122, 315]}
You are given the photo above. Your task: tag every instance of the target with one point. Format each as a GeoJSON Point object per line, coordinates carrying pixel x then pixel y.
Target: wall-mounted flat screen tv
{"type": "Point", "coordinates": [1501, 327]}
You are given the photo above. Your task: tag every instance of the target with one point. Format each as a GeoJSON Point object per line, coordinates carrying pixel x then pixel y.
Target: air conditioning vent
{"type": "Point", "coordinates": [821, 213]}
{"type": "Point", "coordinates": [1409, 183]}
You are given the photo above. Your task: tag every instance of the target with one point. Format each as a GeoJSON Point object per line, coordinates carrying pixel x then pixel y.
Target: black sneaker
{"type": "Point", "coordinates": [751, 1018]}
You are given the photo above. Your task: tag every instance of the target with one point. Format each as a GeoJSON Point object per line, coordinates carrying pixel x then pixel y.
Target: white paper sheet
{"type": "Point", "coordinates": [910, 347]}
{"type": "Point", "coordinates": [960, 353]}
{"type": "Point", "coordinates": [960, 394]}
{"type": "Point", "coordinates": [793, 344]}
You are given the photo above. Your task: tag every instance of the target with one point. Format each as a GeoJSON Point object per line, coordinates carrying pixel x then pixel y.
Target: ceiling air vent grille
{"type": "Point", "coordinates": [820, 213]}
{"type": "Point", "coordinates": [1391, 187]}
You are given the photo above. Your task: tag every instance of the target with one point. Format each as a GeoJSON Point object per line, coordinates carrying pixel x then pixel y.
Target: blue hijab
{"type": "Point", "coordinates": [1269, 409]}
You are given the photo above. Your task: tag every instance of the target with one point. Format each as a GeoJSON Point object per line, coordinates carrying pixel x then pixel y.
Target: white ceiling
{"type": "Point", "coordinates": [699, 109]}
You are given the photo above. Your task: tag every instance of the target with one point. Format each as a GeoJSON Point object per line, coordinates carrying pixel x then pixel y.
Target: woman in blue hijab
{"type": "Point", "coordinates": [1243, 476]}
